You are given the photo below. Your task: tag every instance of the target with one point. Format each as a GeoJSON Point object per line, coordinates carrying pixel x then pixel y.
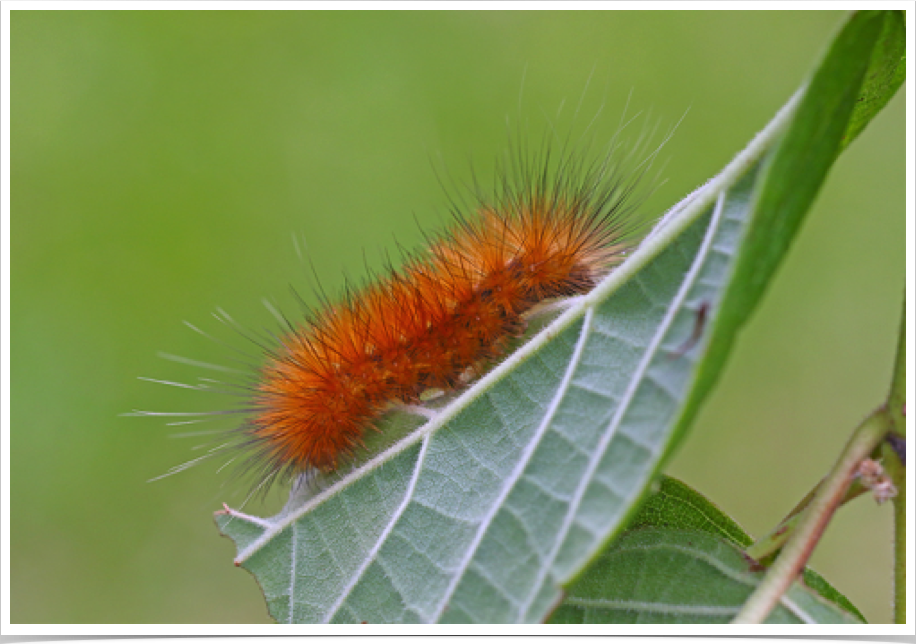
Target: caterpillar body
{"type": "Point", "coordinates": [451, 307]}
{"type": "Point", "coordinates": [552, 228]}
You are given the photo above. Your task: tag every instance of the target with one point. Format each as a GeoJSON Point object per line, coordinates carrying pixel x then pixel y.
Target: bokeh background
{"type": "Point", "coordinates": [163, 162]}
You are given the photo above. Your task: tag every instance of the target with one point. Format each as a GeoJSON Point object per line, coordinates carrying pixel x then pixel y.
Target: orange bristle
{"type": "Point", "coordinates": [450, 308]}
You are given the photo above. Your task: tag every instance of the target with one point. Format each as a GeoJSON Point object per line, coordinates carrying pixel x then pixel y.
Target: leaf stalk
{"type": "Point", "coordinates": [764, 549]}
{"type": "Point", "coordinates": [814, 520]}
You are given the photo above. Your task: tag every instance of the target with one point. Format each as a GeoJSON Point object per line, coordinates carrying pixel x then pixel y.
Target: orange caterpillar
{"type": "Point", "coordinates": [451, 308]}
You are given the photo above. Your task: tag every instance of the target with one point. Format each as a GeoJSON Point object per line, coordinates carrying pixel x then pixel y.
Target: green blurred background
{"type": "Point", "coordinates": [162, 162]}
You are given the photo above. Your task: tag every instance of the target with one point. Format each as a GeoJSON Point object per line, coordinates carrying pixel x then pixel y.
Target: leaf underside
{"type": "Point", "coordinates": [485, 512]}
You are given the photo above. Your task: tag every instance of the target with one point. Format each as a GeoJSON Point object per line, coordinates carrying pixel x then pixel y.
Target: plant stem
{"type": "Point", "coordinates": [769, 545]}
{"type": "Point", "coordinates": [897, 472]}
{"type": "Point", "coordinates": [896, 402]}
{"type": "Point", "coordinates": [896, 399]}
{"type": "Point", "coordinates": [814, 520]}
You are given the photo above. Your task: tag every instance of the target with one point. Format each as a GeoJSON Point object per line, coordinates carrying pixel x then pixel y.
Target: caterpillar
{"type": "Point", "coordinates": [553, 226]}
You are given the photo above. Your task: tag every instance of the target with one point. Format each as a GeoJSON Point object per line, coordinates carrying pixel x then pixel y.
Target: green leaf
{"type": "Point", "coordinates": [678, 506]}
{"type": "Point", "coordinates": [661, 575]}
{"type": "Point", "coordinates": [675, 506]}
{"type": "Point", "coordinates": [483, 513]}
{"type": "Point", "coordinates": [839, 91]}
{"type": "Point", "coordinates": [885, 75]}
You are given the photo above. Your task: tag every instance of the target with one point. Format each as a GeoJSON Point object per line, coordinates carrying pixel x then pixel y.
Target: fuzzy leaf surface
{"type": "Point", "coordinates": [484, 513]}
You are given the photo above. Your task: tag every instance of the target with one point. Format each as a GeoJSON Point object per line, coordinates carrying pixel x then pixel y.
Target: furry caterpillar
{"type": "Point", "coordinates": [553, 228]}
{"type": "Point", "coordinates": [550, 232]}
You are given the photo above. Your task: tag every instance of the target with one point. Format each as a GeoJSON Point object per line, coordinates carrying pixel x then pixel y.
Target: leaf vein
{"type": "Point", "coordinates": [652, 607]}
{"type": "Point", "coordinates": [510, 480]}
{"type": "Point", "coordinates": [627, 399]}
{"type": "Point", "coordinates": [373, 553]}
